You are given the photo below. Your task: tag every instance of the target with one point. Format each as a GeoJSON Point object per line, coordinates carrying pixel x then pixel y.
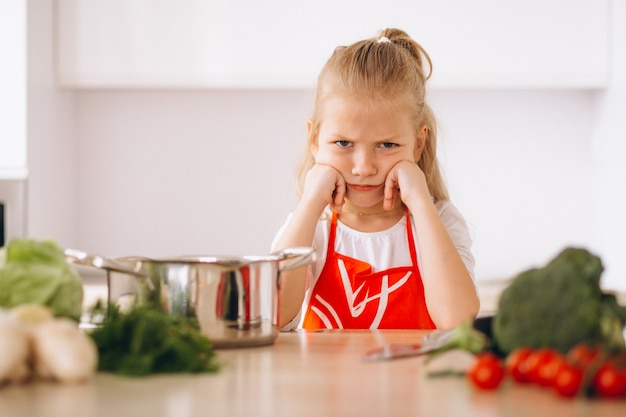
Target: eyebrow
{"type": "Point", "coordinates": [337, 136]}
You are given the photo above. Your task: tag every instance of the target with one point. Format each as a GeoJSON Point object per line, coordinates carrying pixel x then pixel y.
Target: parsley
{"type": "Point", "coordinates": [146, 340]}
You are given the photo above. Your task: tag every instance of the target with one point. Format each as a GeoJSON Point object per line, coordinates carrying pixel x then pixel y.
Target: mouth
{"type": "Point", "coordinates": [364, 187]}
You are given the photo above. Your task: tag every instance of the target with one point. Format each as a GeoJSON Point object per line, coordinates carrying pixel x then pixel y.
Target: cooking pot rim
{"type": "Point", "coordinates": [294, 257]}
{"type": "Point", "coordinates": [203, 260]}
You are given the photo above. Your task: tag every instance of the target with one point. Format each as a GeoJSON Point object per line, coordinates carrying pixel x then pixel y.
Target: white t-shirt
{"type": "Point", "coordinates": [382, 250]}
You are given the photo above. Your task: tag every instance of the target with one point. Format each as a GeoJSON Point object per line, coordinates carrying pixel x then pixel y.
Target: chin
{"type": "Point", "coordinates": [364, 201]}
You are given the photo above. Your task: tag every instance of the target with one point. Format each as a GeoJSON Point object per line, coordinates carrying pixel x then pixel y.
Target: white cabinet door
{"type": "Point", "coordinates": [13, 89]}
{"type": "Point", "coordinates": [284, 43]}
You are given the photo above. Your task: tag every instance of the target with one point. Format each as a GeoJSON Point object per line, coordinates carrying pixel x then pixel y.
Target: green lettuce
{"type": "Point", "coordinates": [35, 272]}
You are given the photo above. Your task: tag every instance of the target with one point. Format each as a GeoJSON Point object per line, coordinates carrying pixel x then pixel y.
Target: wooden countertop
{"type": "Point", "coordinates": [303, 374]}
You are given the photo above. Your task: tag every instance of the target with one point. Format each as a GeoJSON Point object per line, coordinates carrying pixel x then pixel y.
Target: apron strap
{"type": "Point", "coordinates": [332, 235]}
{"type": "Point", "coordinates": [409, 232]}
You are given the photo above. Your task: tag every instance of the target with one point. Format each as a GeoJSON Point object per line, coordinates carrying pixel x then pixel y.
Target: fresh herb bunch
{"type": "Point", "coordinates": [146, 340]}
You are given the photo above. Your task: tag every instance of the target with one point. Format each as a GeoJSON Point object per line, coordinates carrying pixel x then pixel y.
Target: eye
{"type": "Point", "coordinates": [343, 143]}
{"type": "Point", "coordinates": [387, 145]}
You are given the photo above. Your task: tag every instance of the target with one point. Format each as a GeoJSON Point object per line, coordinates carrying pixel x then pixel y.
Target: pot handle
{"type": "Point", "coordinates": [295, 257]}
{"type": "Point", "coordinates": [77, 257]}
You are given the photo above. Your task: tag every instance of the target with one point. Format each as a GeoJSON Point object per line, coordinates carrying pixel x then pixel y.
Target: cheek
{"type": "Point", "coordinates": [324, 155]}
{"type": "Point", "coordinates": [319, 156]}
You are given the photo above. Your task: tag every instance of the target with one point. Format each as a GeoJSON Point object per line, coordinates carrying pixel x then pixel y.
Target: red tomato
{"type": "Point", "coordinates": [517, 364]}
{"type": "Point", "coordinates": [609, 381]}
{"type": "Point", "coordinates": [537, 360]}
{"type": "Point", "coordinates": [568, 380]}
{"type": "Point", "coordinates": [549, 368]}
{"type": "Point", "coordinates": [582, 355]}
{"type": "Point", "coordinates": [487, 372]}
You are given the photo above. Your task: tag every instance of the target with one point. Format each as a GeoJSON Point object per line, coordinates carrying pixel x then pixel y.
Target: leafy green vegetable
{"type": "Point", "coordinates": [35, 272]}
{"type": "Point", "coordinates": [559, 306]}
{"type": "Point", "coordinates": [146, 340]}
{"type": "Point", "coordinates": [464, 337]}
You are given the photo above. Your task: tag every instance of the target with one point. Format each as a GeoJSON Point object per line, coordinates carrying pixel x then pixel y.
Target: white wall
{"type": "Point", "coordinates": [130, 172]}
{"type": "Point", "coordinates": [52, 152]}
{"type": "Point", "coordinates": [608, 144]}
{"type": "Point", "coordinates": [167, 173]}
{"type": "Point", "coordinates": [518, 167]}
{"type": "Point", "coordinates": [211, 172]}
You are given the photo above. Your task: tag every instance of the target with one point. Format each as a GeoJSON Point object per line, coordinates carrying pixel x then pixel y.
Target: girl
{"type": "Point", "coordinates": [393, 252]}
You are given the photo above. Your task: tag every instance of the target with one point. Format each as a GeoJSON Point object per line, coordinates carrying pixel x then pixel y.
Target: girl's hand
{"type": "Point", "coordinates": [326, 185]}
{"type": "Point", "coordinates": [407, 180]}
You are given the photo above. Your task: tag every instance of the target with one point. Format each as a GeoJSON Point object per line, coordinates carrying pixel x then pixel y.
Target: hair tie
{"type": "Point", "coordinates": [383, 39]}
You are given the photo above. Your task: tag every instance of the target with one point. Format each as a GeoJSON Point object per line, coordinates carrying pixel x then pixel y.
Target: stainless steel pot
{"type": "Point", "coordinates": [234, 299]}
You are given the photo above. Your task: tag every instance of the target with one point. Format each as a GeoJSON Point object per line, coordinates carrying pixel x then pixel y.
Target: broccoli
{"type": "Point", "coordinates": [559, 306]}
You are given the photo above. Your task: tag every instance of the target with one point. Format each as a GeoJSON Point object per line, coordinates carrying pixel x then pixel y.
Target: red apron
{"type": "Point", "coordinates": [348, 295]}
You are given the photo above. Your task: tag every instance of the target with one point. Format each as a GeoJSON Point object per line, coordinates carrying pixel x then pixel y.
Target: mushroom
{"type": "Point", "coordinates": [31, 314]}
{"type": "Point", "coordinates": [15, 348]}
{"type": "Point", "coordinates": [62, 351]}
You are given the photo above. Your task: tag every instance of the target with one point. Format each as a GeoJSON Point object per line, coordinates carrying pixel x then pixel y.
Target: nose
{"type": "Point", "coordinates": [364, 163]}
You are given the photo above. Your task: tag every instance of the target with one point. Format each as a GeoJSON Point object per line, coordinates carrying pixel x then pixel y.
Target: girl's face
{"type": "Point", "coordinates": [363, 139]}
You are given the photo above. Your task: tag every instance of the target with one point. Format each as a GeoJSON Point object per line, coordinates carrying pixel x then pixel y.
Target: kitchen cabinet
{"type": "Point", "coordinates": [283, 44]}
{"type": "Point", "coordinates": [13, 90]}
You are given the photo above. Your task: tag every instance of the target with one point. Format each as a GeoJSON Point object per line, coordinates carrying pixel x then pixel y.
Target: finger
{"type": "Point", "coordinates": [339, 195]}
{"type": "Point", "coordinates": [389, 202]}
{"type": "Point", "coordinates": [390, 193]}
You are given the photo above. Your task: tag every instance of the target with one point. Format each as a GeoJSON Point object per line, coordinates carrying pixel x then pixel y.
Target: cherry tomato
{"type": "Point", "coordinates": [609, 381]}
{"type": "Point", "coordinates": [549, 368]}
{"type": "Point", "coordinates": [568, 380]}
{"type": "Point", "coordinates": [517, 365]}
{"type": "Point", "coordinates": [487, 372]}
{"type": "Point", "coordinates": [583, 355]}
{"type": "Point", "coordinates": [537, 360]}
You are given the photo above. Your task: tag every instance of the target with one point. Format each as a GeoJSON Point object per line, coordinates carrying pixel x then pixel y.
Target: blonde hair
{"type": "Point", "coordinates": [388, 67]}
